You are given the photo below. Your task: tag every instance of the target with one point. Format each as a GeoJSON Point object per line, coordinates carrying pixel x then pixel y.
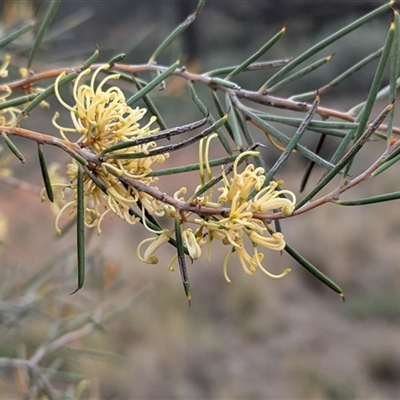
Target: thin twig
{"type": "Point", "coordinates": [66, 338]}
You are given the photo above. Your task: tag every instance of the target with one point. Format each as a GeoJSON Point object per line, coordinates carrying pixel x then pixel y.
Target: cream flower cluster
{"type": "Point", "coordinates": [238, 228]}
{"type": "Point", "coordinates": [102, 119]}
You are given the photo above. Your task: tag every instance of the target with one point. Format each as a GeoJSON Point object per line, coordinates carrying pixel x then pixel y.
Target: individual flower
{"type": "Point", "coordinates": [190, 241]}
{"type": "Point", "coordinates": [4, 66]}
{"type": "Point", "coordinates": [155, 243]}
{"type": "Point", "coordinates": [273, 198]}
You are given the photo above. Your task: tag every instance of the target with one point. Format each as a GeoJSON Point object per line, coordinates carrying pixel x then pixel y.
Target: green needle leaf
{"type": "Point", "coordinates": [43, 95]}
{"type": "Point", "coordinates": [200, 6]}
{"type": "Point", "coordinates": [117, 59]}
{"type": "Point", "coordinates": [192, 167]}
{"type": "Point", "coordinates": [233, 123]}
{"type": "Point", "coordinates": [93, 58]}
{"type": "Point", "coordinates": [60, 144]}
{"type": "Point", "coordinates": [258, 161]}
{"type": "Point", "coordinates": [80, 225]}
{"type": "Point", "coordinates": [173, 147]}
{"type": "Point", "coordinates": [334, 82]}
{"type": "Point", "coordinates": [224, 83]}
{"type": "Point", "coordinates": [338, 157]}
{"type": "Point", "coordinates": [394, 71]}
{"type": "Point", "coordinates": [313, 270]}
{"type": "Point", "coordinates": [358, 145]}
{"type": "Point", "coordinates": [151, 85]}
{"type": "Point", "coordinates": [369, 200]}
{"type": "Point", "coordinates": [293, 142]}
{"type": "Point", "coordinates": [13, 148]}
{"type": "Point", "coordinates": [177, 31]}
{"type": "Point", "coordinates": [252, 67]}
{"type": "Point", "coordinates": [51, 10]}
{"type": "Point", "coordinates": [166, 134]}
{"type": "Point", "coordinates": [387, 162]}
{"type": "Point", "coordinates": [203, 109]}
{"type": "Point", "coordinates": [45, 173]}
{"type": "Point", "coordinates": [150, 105]}
{"type": "Point", "coordinates": [265, 127]}
{"type": "Point", "coordinates": [95, 180]}
{"type": "Point", "coordinates": [336, 129]}
{"type": "Point", "coordinates": [324, 43]}
{"type": "Point", "coordinates": [363, 117]}
{"type": "Point", "coordinates": [303, 72]}
{"type": "Point", "coordinates": [181, 261]}
{"type": "Point", "coordinates": [17, 101]}
{"type": "Point", "coordinates": [15, 35]}
{"type": "Point", "coordinates": [315, 124]}
{"type": "Point", "coordinates": [245, 64]}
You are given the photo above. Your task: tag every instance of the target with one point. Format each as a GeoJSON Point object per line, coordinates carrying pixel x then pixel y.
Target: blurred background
{"type": "Point", "coordinates": [255, 338]}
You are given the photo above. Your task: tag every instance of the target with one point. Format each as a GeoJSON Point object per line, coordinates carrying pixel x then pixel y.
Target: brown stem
{"type": "Point", "coordinates": [71, 148]}
{"type": "Point", "coordinates": [271, 101]}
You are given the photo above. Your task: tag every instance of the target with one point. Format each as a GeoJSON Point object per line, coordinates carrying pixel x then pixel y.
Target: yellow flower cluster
{"type": "Point", "coordinates": [240, 225]}
{"type": "Point", "coordinates": [102, 119]}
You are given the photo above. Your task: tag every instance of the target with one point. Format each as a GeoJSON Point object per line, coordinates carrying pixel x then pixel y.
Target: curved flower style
{"type": "Point", "coordinates": [155, 243]}
{"type": "Point", "coordinates": [4, 66]}
{"type": "Point", "coordinates": [270, 198]}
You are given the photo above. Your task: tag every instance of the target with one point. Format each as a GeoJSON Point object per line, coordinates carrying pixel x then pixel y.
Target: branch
{"type": "Point", "coordinates": [204, 79]}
